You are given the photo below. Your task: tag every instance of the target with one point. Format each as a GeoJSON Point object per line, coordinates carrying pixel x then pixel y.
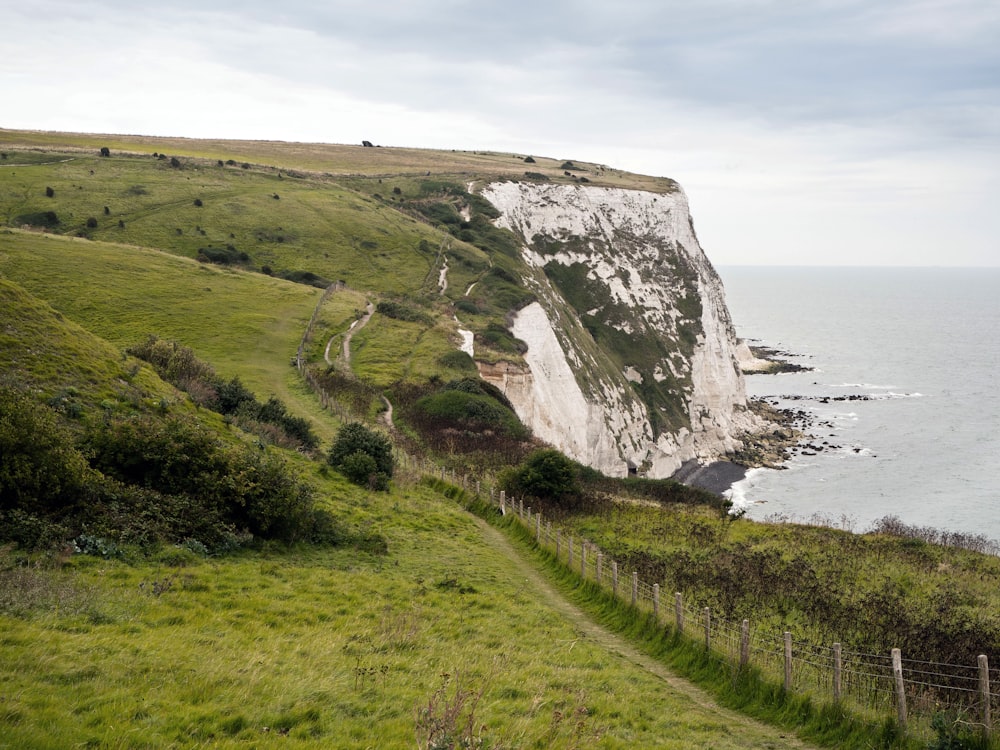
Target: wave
{"type": "Point", "coordinates": [864, 386]}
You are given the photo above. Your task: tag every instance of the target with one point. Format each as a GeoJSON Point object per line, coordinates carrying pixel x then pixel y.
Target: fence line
{"type": "Point", "coordinates": [882, 683]}
{"type": "Point", "coordinates": [870, 682]}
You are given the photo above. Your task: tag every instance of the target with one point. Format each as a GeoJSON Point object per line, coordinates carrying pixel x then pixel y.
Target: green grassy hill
{"type": "Point", "coordinates": [375, 616]}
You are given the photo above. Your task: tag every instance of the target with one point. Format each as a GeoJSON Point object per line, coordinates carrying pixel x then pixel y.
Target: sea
{"type": "Point", "coordinates": [902, 398]}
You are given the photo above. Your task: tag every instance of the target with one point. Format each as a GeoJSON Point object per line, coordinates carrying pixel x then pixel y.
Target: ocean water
{"type": "Point", "coordinates": [919, 350]}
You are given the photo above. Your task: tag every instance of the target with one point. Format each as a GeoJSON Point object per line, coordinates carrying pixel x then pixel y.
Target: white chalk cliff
{"type": "Point", "coordinates": [632, 358]}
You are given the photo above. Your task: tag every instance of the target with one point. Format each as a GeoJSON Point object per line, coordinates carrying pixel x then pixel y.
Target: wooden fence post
{"type": "Point", "coordinates": [656, 601]}
{"type": "Point", "coordinates": [838, 669]}
{"type": "Point", "coordinates": [984, 692]}
{"type": "Point", "coordinates": [503, 502]}
{"type": "Point", "coordinates": [897, 675]}
{"type": "Point", "coordinates": [744, 644]}
{"type": "Point", "coordinates": [708, 628]}
{"type": "Point", "coordinates": [521, 506]}
{"type": "Point", "coordinates": [583, 560]}
{"type": "Point", "coordinates": [788, 662]}
{"type": "Point", "coordinates": [679, 611]}
{"type": "Point", "coordinates": [614, 578]}
{"type": "Point", "coordinates": [569, 551]}
{"type": "Point", "coordinates": [635, 588]}
{"type": "Point", "coordinates": [558, 543]}
{"type": "Point", "coordinates": [600, 566]}
{"type": "Point", "coordinates": [538, 527]}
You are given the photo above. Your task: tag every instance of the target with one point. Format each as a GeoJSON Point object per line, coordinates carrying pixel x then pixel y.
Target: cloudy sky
{"type": "Point", "coordinates": [811, 132]}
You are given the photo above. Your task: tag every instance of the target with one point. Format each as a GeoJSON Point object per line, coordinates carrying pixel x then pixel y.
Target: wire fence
{"type": "Point", "coordinates": [875, 685]}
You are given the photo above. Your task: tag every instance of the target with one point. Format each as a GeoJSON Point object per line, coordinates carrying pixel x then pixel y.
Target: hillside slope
{"type": "Point", "coordinates": [462, 254]}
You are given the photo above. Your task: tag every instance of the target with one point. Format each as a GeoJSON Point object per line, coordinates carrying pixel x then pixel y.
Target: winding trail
{"type": "Point", "coordinates": [766, 735]}
{"type": "Point", "coordinates": [356, 326]}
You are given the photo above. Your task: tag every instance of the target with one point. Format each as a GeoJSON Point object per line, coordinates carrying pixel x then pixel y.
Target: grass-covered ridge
{"type": "Point", "coordinates": [389, 607]}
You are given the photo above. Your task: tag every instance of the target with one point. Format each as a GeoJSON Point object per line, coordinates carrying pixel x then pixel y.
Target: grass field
{"type": "Point", "coordinates": [325, 648]}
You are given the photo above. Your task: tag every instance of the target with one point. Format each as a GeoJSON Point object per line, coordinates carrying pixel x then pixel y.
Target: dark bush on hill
{"type": "Point", "coordinates": [546, 475]}
{"type": "Point", "coordinates": [399, 311]}
{"type": "Point", "coordinates": [499, 339]}
{"type": "Point", "coordinates": [468, 412]}
{"type": "Point", "coordinates": [39, 219]}
{"type": "Point", "coordinates": [440, 213]}
{"type": "Point", "coordinates": [49, 192]}
{"type": "Point", "coordinates": [214, 491]}
{"type": "Point", "coordinates": [458, 360]}
{"type": "Point", "coordinates": [363, 456]}
{"type": "Point", "coordinates": [142, 480]}
{"type": "Point", "coordinates": [270, 421]}
{"type": "Point", "coordinates": [226, 256]}
{"type": "Point", "coordinates": [305, 277]}
{"type": "Point", "coordinates": [92, 222]}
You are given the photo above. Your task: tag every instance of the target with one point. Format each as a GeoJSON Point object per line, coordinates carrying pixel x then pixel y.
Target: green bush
{"type": "Point", "coordinates": [458, 409]}
{"type": "Point", "coordinates": [547, 475]}
{"type": "Point", "coordinates": [458, 360]}
{"type": "Point", "coordinates": [40, 470]}
{"type": "Point", "coordinates": [399, 311]}
{"type": "Point", "coordinates": [354, 439]}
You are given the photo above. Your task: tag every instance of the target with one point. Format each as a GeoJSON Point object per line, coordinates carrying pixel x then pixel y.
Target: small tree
{"type": "Point", "coordinates": [547, 475]}
{"type": "Point", "coordinates": [363, 456]}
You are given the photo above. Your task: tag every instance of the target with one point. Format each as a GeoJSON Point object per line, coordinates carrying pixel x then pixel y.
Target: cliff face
{"type": "Point", "coordinates": [631, 361]}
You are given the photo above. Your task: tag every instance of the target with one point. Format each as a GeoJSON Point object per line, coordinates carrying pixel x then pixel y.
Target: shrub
{"type": "Point", "coordinates": [461, 409]}
{"type": "Point", "coordinates": [547, 475]}
{"type": "Point", "coordinates": [399, 311]}
{"type": "Point", "coordinates": [39, 219]}
{"type": "Point", "coordinates": [458, 360]}
{"type": "Point", "coordinates": [355, 438]}
{"type": "Point", "coordinates": [105, 151]}
{"type": "Point", "coordinates": [91, 222]}
{"type": "Point", "coordinates": [198, 203]}
{"type": "Point", "coordinates": [529, 160]}
{"type": "Point", "coordinates": [39, 467]}
{"type": "Point", "coordinates": [175, 162]}
{"type": "Point", "coordinates": [49, 192]}
{"type": "Point", "coordinates": [305, 277]}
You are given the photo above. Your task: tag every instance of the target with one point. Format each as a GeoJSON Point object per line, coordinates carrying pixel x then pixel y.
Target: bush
{"type": "Point", "coordinates": [49, 192]}
{"type": "Point", "coordinates": [91, 223]}
{"type": "Point", "coordinates": [355, 438]}
{"type": "Point", "coordinates": [39, 219]}
{"type": "Point", "coordinates": [305, 277]}
{"type": "Point", "coordinates": [40, 470]}
{"type": "Point", "coordinates": [399, 311]}
{"type": "Point", "coordinates": [546, 475]}
{"type": "Point", "coordinates": [105, 151]}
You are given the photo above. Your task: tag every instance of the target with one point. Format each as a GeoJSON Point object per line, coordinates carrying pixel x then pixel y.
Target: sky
{"type": "Point", "coordinates": [804, 132]}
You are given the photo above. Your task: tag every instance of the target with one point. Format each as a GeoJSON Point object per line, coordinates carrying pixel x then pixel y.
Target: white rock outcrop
{"type": "Point", "coordinates": [631, 359]}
